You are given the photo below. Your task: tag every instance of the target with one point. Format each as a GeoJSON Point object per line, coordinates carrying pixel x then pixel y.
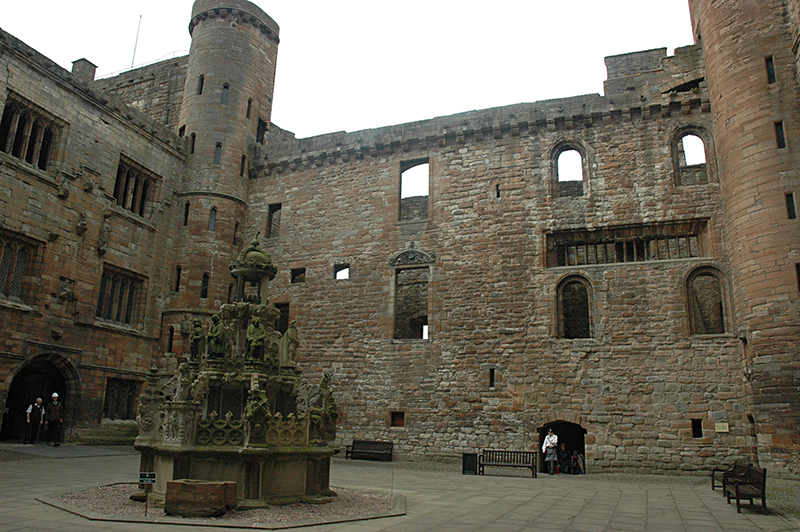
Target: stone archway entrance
{"type": "Point", "coordinates": [39, 377]}
{"type": "Point", "coordinates": [570, 434]}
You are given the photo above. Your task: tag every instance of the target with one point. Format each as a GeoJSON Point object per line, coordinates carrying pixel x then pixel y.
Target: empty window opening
{"type": "Point", "coordinates": [497, 191]}
{"type": "Point", "coordinates": [200, 82]}
{"type": "Point", "coordinates": [192, 140]}
{"type": "Point", "coordinates": [170, 339]}
{"type": "Point", "coordinates": [282, 323]}
{"type": "Point", "coordinates": [236, 234]}
{"type": "Point", "coordinates": [218, 154]}
{"type": "Point", "coordinates": [705, 291]}
{"type": "Point", "coordinates": [182, 131]}
{"type": "Point", "coordinates": [243, 166]}
{"type": "Point", "coordinates": [249, 107]}
{"type": "Point", "coordinates": [298, 275]}
{"type": "Point", "coordinates": [569, 172]}
{"type": "Point", "coordinates": [397, 419]}
{"type": "Point", "coordinates": [697, 428]}
{"type": "Point", "coordinates": [491, 378]}
{"type": "Point", "coordinates": [224, 98]}
{"type": "Point", "coordinates": [274, 220]}
{"type": "Point", "coordinates": [425, 330]}
{"type": "Point", "coordinates": [780, 135]}
{"type": "Point", "coordinates": [186, 213]}
{"type": "Point", "coordinates": [770, 64]}
{"type": "Point", "coordinates": [411, 303]}
{"type": "Point", "coordinates": [341, 271]}
{"type": "Point", "coordinates": [204, 287]}
{"type": "Point", "coordinates": [212, 219]}
{"type": "Point", "coordinates": [178, 272]}
{"type": "Point", "coordinates": [574, 319]}
{"type": "Point", "coordinates": [261, 131]}
{"type": "Point", "coordinates": [693, 149]}
{"type": "Point", "coordinates": [27, 134]}
{"type": "Point", "coordinates": [791, 212]}
{"type": "Point", "coordinates": [414, 185]}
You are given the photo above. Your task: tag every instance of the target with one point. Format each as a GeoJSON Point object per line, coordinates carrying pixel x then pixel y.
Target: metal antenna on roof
{"type": "Point", "coordinates": [136, 42]}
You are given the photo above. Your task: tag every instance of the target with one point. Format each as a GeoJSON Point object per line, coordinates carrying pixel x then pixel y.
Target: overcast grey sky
{"type": "Point", "coordinates": [358, 64]}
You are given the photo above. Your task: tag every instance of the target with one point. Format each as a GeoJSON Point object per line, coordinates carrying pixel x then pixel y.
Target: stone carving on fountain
{"type": "Point", "coordinates": [239, 409]}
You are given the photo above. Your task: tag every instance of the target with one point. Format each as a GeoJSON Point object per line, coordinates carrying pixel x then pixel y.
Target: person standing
{"type": "Point", "coordinates": [550, 450]}
{"type": "Point", "coordinates": [54, 418]}
{"type": "Point", "coordinates": [35, 416]}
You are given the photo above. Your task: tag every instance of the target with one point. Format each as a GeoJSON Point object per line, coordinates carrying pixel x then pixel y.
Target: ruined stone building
{"type": "Point", "coordinates": [647, 310]}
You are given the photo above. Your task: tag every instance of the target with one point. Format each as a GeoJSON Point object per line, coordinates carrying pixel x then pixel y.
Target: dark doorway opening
{"type": "Point", "coordinates": [39, 378]}
{"type": "Point", "coordinates": [572, 435]}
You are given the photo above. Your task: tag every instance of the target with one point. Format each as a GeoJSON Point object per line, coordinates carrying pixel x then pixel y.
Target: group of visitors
{"type": "Point", "coordinates": [39, 415]}
{"type": "Point", "coordinates": [559, 459]}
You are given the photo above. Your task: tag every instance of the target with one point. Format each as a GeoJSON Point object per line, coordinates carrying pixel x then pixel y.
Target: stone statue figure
{"type": "Point", "coordinates": [287, 351]}
{"type": "Point", "coordinates": [323, 412]}
{"type": "Point", "coordinates": [256, 335]}
{"type": "Point", "coordinates": [217, 341]}
{"type": "Point", "coordinates": [197, 340]}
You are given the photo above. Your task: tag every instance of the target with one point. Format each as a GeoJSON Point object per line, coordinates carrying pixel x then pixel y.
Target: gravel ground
{"type": "Point", "coordinates": [115, 500]}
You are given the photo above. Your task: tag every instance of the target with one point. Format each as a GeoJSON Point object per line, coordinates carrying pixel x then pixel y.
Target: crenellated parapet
{"type": "Point", "coordinates": [235, 12]}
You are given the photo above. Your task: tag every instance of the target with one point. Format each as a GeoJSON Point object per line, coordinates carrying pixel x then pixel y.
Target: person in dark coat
{"type": "Point", "coordinates": [35, 417]}
{"type": "Point", "coordinates": [55, 418]}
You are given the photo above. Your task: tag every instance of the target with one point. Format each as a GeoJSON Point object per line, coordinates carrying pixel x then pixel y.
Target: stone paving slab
{"type": "Point", "coordinates": [441, 500]}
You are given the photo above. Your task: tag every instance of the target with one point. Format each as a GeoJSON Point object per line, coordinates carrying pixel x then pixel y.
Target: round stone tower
{"type": "Point", "coordinates": [227, 102]}
{"type": "Point", "coordinates": [750, 68]}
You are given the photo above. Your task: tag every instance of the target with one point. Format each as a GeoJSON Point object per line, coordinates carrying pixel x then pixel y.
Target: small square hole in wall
{"type": "Point", "coordinates": [398, 419]}
{"type": "Point", "coordinates": [341, 271]}
{"type": "Point", "coordinates": [697, 428]}
{"type": "Point", "coordinates": [298, 275]}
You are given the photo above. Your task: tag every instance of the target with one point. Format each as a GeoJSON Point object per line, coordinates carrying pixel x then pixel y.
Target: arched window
{"type": "Point", "coordinates": [212, 219]}
{"type": "Point", "coordinates": [192, 141]}
{"type": "Point", "coordinates": [690, 156]}
{"type": "Point", "coordinates": [204, 287]}
{"type": "Point", "coordinates": [574, 309]}
{"type": "Point", "coordinates": [27, 134]}
{"type": "Point", "coordinates": [705, 290]}
{"type": "Point", "coordinates": [218, 154]}
{"type": "Point", "coordinates": [569, 170]}
{"type": "Point", "coordinates": [224, 99]}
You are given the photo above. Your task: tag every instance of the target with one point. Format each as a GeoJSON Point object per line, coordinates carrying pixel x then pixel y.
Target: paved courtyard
{"type": "Point", "coordinates": [437, 498]}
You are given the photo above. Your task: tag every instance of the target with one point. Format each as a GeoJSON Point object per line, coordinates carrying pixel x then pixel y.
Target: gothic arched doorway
{"type": "Point", "coordinates": [39, 377]}
{"type": "Point", "coordinates": [572, 435]}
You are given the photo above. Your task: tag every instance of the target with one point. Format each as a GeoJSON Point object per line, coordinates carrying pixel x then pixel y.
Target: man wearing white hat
{"type": "Point", "coordinates": [54, 415]}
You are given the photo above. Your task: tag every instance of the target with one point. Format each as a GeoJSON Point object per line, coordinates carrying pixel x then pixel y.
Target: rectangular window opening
{"type": "Point", "coordinates": [341, 271]}
{"type": "Point", "coordinates": [298, 275]}
{"type": "Point", "coordinates": [791, 211]}
{"type": "Point", "coordinates": [274, 220]}
{"type": "Point", "coordinates": [414, 185]}
{"type": "Point", "coordinates": [780, 135]}
{"type": "Point", "coordinates": [411, 304]}
{"type": "Point", "coordinates": [491, 378]}
{"type": "Point", "coordinates": [398, 419]}
{"type": "Point", "coordinates": [770, 64]}
{"type": "Point", "coordinates": [697, 428]}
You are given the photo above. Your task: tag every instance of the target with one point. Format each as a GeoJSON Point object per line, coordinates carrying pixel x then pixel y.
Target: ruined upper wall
{"type": "Point", "coordinates": [156, 90]}
{"type": "Point", "coordinates": [653, 72]}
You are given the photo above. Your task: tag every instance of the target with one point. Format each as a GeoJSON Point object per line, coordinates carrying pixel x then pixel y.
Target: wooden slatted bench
{"type": "Point", "coordinates": [498, 458]}
{"type": "Point", "coordinates": [718, 474]}
{"type": "Point", "coordinates": [370, 450]}
{"type": "Point", "coordinates": [750, 487]}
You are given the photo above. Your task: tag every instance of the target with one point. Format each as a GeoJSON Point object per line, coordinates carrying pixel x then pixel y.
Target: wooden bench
{"type": "Point", "coordinates": [749, 487]}
{"type": "Point", "coordinates": [718, 474]}
{"type": "Point", "coordinates": [369, 450]}
{"type": "Point", "coordinates": [498, 458]}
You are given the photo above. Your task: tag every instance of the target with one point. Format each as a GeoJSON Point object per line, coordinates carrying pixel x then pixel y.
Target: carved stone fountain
{"type": "Point", "coordinates": [238, 410]}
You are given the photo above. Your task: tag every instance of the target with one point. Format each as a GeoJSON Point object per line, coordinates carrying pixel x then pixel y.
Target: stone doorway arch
{"type": "Point", "coordinates": [39, 376]}
{"type": "Point", "coordinates": [571, 434]}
